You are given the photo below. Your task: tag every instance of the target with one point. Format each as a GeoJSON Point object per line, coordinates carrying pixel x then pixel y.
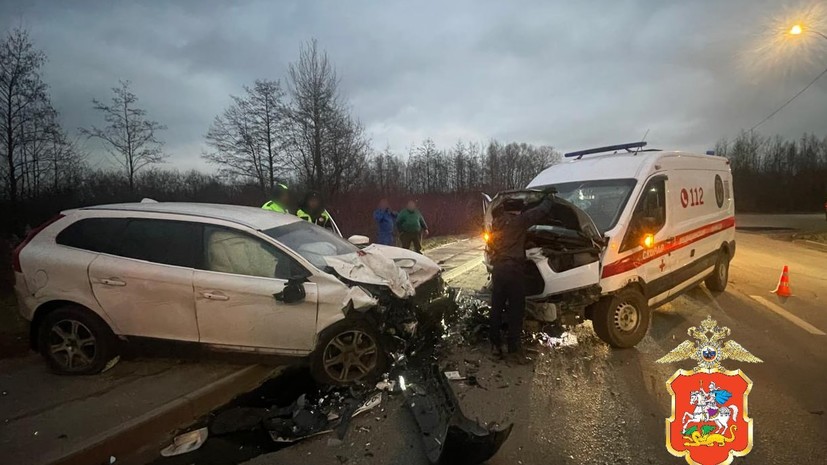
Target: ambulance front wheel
{"type": "Point", "coordinates": [622, 319]}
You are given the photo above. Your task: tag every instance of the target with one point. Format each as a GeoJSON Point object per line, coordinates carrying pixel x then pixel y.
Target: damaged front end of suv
{"type": "Point", "coordinates": [562, 268]}
{"type": "Point", "coordinates": [391, 294]}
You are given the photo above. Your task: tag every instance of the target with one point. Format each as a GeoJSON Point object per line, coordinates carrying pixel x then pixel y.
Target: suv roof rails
{"type": "Point", "coordinates": [612, 148]}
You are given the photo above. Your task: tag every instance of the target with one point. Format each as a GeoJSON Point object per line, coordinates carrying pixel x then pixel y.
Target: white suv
{"type": "Point", "coordinates": [226, 277]}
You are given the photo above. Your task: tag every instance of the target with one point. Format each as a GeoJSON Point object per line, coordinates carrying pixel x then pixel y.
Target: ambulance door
{"type": "Point", "coordinates": [650, 235]}
{"type": "Point", "coordinates": [699, 212]}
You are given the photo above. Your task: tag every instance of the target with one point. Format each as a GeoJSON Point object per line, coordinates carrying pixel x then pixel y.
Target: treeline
{"type": "Point", "coordinates": [773, 174]}
{"type": "Point", "coordinates": [299, 131]}
{"type": "Point", "coordinates": [464, 167]}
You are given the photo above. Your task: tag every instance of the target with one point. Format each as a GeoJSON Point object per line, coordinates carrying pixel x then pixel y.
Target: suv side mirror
{"type": "Point", "coordinates": [293, 291]}
{"type": "Point", "coordinates": [359, 240]}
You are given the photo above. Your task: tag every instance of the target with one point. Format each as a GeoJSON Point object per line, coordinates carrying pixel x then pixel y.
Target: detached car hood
{"type": "Point", "coordinates": [400, 270]}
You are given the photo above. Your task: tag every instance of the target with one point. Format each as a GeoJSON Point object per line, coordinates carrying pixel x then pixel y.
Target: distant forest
{"type": "Point", "coordinates": [300, 130]}
{"type": "Point", "coordinates": [773, 174]}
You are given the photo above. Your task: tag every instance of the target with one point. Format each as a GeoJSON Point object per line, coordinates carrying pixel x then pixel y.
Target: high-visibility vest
{"type": "Point", "coordinates": [323, 220]}
{"type": "Point", "coordinates": [275, 207]}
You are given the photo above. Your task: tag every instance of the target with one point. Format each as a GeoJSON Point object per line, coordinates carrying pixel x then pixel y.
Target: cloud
{"type": "Point", "coordinates": [567, 74]}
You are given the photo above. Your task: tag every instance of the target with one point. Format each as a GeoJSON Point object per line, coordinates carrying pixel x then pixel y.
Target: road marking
{"type": "Point", "coordinates": [460, 270]}
{"type": "Point", "coordinates": [817, 244]}
{"type": "Point", "coordinates": [784, 313]}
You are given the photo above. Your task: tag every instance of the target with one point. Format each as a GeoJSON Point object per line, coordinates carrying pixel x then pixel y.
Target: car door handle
{"type": "Point", "coordinates": [215, 296]}
{"type": "Point", "coordinates": [113, 282]}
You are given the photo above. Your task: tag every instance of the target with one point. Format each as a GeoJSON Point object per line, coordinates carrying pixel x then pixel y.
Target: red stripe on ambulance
{"type": "Point", "coordinates": [662, 248]}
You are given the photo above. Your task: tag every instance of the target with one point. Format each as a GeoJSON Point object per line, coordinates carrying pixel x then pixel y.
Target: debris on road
{"type": "Point", "coordinates": [183, 443]}
{"type": "Point", "coordinates": [454, 376]}
{"type": "Point", "coordinates": [309, 415]}
{"type": "Point", "coordinates": [567, 339]}
{"type": "Point", "coordinates": [447, 434]}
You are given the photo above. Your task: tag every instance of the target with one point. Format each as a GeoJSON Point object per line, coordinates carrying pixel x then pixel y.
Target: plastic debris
{"type": "Point", "coordinates": [311, 419]}
{"type": "Point", "coordinates": [183, 443]}
{"type": "Point", "coordinates": [454, 376]}
{"type": "Point", "coordinates": [111, 363]}
{"type": "Point", "coordinates": [447, 434]}
{"type": "Point", "coordinates": [567, 339]}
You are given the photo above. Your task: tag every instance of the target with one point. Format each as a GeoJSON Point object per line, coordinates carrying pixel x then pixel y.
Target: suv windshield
{"type": "Point", "coordinates": [602, 200]}
{"type": "Point", "coordinates": [311, 242]}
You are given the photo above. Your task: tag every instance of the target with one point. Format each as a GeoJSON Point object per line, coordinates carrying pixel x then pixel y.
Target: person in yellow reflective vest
{"type": "Point", "coordinates": [279, 199]}
{"type": "Point", "coordinates": [312, 210]}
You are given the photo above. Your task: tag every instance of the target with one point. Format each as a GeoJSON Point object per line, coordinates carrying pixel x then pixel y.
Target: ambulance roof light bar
{"type": "Point", "coordinates": [609, 148]}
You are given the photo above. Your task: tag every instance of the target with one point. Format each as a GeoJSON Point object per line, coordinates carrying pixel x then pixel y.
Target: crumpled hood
{"type": "Point", "coordinates": [398, 269]}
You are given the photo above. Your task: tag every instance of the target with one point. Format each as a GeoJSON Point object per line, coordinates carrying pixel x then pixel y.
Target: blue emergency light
{"type": "Point", "coordinates": [609, 148]}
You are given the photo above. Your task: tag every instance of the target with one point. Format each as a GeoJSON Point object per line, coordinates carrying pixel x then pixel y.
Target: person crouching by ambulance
{"type": "Point", "coordinates": [279, 199]}
{"type": "Point", "coordinates": [312, 210]}
{"type": "Point", "coordinates": [507, 252]}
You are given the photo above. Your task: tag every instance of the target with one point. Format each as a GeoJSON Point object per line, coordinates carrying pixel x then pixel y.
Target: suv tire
{"type": "Point", "coordinates": [75, 341]}
{"type": "Point", "coordinates": [622, 319]}
{"type": "Point", "coordinates": [348, 352]}
{"type": "Point", "coordinates": [717, 281]}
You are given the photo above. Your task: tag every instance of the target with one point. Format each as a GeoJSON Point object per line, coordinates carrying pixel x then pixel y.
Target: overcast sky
{"type": "Point", "coordinates": [563, 73]}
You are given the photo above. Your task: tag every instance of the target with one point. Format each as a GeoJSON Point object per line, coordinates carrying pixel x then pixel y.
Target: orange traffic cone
{"type": "Point", "coordinates": [783, 288]}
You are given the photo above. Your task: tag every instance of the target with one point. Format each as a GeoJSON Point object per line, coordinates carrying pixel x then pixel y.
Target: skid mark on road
{"type": "Point", "coordinates": [789, 316]}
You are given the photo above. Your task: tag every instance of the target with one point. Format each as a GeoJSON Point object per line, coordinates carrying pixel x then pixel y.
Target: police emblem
{"type": "Point", "coordinates": [709, 424]}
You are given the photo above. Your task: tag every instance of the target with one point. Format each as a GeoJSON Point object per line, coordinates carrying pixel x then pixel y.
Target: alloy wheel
{"type": "Point", "coordinates": [72, 344]}
{"type": "Point", "coordinates": [350, 355]}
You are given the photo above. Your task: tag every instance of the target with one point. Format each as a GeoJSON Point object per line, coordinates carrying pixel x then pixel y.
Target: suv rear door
{"type": "Point", "coordinates": [145, 284]}
{"type": "Point", "coordinates": [238, 294]}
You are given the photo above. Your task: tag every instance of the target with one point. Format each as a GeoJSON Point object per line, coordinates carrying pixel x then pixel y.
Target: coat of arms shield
{"type": "Point", "coordinates": [709, 424]}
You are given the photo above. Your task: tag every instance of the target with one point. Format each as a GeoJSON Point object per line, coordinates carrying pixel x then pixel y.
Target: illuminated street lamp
{"type": "Point", "coordinates": [797, 30]}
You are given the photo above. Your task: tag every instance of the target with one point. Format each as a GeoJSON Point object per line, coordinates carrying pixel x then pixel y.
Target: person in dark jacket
{"type": "Point", "coordinates": [411, 226]}
{"type": "Point", "coordinates": [507, 255]}
{"type": "Point", "coordinates": [385, 219]}
{"type": "Point", "coordinates": [311, 209]}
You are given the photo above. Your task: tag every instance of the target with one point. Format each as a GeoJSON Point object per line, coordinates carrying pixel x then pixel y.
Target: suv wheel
{"type": "Point", "coordinates": [717, 281]}
{"type": "Point", "coordinates": [622, 319]}
{"type": "Point", "coordinates": [348, 352]}
{"type": "Point", "coordinates": [76, 342]}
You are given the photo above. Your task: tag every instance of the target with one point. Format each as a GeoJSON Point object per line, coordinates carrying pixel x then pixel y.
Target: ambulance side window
{"type": "Point", "coordinates": [649, 216]}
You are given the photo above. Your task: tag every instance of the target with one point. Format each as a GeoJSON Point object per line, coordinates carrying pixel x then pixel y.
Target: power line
{"type": "Point", "coordinates": [790, 100]}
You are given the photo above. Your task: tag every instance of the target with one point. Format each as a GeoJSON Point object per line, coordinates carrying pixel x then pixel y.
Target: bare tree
{"type": "Point", "coordinates": [129, 136]}
{"type": "Point", "coordinates": [247, 136]}
{"type": "Point", "coordinates": [326, 145]}
{"type": "Point", "coordinates": [23, 100]}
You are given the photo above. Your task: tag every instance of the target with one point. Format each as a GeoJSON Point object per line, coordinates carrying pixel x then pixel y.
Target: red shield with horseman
{"type": "Point", "coordinates": [709, 423]}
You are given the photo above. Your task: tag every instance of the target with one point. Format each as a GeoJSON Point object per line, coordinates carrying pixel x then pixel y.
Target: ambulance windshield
{"type": "Point", "coordinates": [602, 200]}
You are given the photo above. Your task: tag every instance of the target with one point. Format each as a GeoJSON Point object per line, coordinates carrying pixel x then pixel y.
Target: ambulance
{"type": "Point", "coordinates": [631, 229]}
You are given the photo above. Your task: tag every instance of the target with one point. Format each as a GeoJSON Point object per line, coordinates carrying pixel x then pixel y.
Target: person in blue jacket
{"type": "Point", "coordinates": [385, 219]}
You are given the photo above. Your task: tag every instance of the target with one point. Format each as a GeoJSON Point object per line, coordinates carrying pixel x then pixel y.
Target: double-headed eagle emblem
{"type": "Point", "coordinates": [709, 348]}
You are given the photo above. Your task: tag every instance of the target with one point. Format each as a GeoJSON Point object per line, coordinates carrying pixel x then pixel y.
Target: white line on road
{"type": "Point", "coordinates": [784, 313]}
{"type": "Point", "coordinates": [460, 270]}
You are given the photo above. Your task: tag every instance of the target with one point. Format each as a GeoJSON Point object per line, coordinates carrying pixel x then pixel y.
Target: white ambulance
{"type": "Point", "coordinates": [630, 230]}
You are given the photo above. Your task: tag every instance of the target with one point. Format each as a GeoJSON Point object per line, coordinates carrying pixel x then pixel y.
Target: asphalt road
{"type": "Point", "coordinates": [590, 404]}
